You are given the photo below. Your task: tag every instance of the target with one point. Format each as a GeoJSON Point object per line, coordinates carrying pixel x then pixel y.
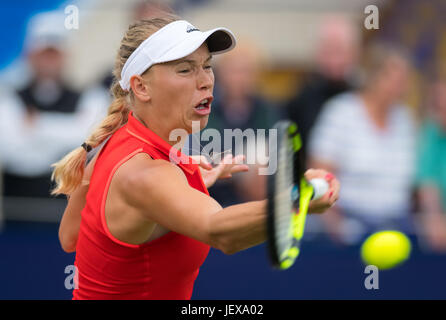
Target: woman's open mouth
{"type": "Point", "coordinates": [204, 107]}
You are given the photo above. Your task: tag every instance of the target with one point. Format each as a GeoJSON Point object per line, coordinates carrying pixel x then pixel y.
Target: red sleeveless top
{"type": "Point", "coordinates": [108, 268]}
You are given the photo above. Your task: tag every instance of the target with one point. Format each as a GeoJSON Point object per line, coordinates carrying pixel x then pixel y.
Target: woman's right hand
{"type": "Point", "coordinates": [330, 197]}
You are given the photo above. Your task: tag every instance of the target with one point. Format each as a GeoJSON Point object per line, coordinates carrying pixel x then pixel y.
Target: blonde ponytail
{"type": "Point", "coordinates": [69, 171]}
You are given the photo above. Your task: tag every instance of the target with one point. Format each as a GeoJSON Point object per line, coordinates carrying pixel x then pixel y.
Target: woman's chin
{"type": "Point", "coordinates": [198, 125]}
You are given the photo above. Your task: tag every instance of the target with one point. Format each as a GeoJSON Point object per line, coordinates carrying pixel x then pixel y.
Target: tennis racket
{"type": "Point", "coordinates": [289, 195]}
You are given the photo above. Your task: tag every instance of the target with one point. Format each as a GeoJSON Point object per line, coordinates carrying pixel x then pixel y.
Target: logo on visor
{"type": "Point", "coordinates": [191, 28]}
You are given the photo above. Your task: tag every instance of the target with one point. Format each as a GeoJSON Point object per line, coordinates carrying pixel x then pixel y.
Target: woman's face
{"type": "Point", "coordinates": [181, 90]}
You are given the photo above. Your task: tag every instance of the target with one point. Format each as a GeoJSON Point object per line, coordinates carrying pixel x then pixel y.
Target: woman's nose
{"type": "Point", "coordinates": [205, 80]}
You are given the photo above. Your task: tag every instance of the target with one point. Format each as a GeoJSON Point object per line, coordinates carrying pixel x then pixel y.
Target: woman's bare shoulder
{"type": "Point", "coordinates": [142, 169]}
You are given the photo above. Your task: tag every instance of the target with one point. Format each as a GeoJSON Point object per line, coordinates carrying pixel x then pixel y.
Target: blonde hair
{"type": "Point", "coordinates": [68, 172]}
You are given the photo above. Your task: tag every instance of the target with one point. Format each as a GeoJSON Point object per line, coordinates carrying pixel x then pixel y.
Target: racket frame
{"type": "Point", "coordinates": [304, 194]}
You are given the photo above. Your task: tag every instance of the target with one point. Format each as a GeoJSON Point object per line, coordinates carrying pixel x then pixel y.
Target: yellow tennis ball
{"type": "Point", "coordinates": [386, 249]}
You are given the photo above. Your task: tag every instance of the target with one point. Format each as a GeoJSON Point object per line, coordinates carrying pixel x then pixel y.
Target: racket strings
{"type": "Point", "coordinates": [283, 199]}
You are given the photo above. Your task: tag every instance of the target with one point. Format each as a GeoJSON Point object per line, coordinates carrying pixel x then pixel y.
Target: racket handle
{"type": "Point", "coordinates": [320, 187]}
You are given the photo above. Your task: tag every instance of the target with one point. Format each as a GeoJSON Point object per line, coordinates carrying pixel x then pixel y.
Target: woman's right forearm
{"type": "Point", "coordinates": [239, 227]}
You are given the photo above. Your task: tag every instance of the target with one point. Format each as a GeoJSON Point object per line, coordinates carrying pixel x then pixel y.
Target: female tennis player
{"type": "Point", "coordinates": [147, 222]}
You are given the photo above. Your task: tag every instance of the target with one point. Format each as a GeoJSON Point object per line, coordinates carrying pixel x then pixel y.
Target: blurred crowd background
{"type": "Point", "coordinates": [370, 104]}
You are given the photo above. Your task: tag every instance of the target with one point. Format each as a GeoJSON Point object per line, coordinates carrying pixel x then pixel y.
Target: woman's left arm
{"type": "Point", "coordinates": [71, 219]}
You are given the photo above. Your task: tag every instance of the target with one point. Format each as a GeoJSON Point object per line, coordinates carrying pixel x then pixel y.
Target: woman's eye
{"type": "Point", "coordinates": [184, 70]}
{"type": "Point", "coordinates": [208, 67]}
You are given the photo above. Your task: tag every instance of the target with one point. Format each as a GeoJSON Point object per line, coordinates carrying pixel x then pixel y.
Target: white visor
{"type": "Point", "coordinates": [174, 41]}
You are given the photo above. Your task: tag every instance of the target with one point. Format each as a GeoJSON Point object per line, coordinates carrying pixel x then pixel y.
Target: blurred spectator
{"type": "Point", "coordinates": [431, 169]}
{"type": "Point", "coordinates": [43, 120]}
{"type": "Point", "coordinates": [237, 105]}
{"type": "Point", "coordinates": [367, 139]}
{"type": "Point", "coordinates": [335, 58]}
{"type": "Point", "coordinates": [148, 9]}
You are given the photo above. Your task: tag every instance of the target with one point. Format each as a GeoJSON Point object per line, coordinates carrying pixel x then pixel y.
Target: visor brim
{"type": "Point", "coordinates": [218, 40]}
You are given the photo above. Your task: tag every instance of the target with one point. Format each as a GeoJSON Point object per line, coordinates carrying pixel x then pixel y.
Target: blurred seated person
{"type": "Point", "coordinates": [46, 118]}
{"type": "Point", "coordinates": [367, 139]}
{"type": "Point", "coordinates": [335, 59]}
{"type": "Point", "coordinates": [237, 105]}
{"type": "Point", "coordinates": [431, 169]}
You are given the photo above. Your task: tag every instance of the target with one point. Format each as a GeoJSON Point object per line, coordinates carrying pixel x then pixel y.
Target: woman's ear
{"type": "Point", "coordinates": [140, 88]}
